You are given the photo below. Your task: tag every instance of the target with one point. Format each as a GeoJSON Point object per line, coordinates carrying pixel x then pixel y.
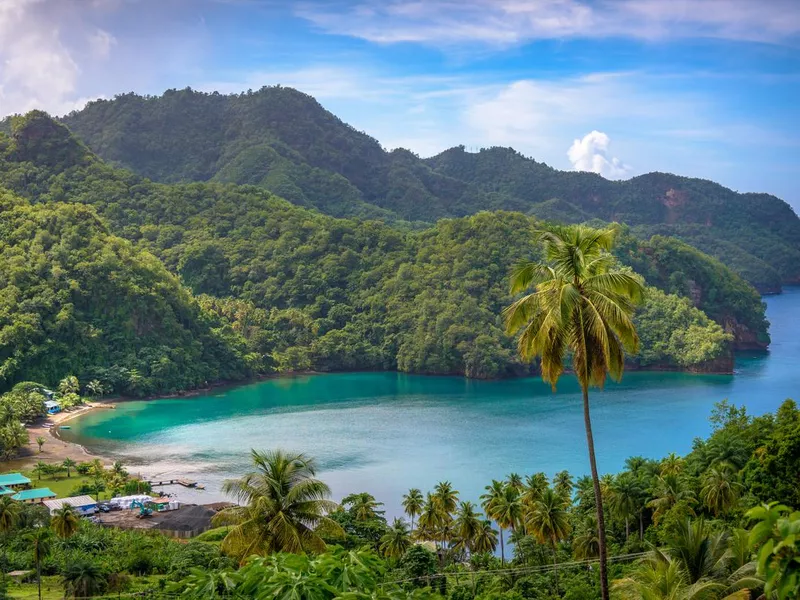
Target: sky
{"type": "Point", "coordinates": [703, 88]}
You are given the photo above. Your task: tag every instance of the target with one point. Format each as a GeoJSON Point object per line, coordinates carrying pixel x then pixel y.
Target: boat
{"type": "Point", "coordinates": [64, 427]}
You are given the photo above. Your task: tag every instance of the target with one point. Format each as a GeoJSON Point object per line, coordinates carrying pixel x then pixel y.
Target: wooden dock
{"type": "Point", "coordinates": [184, 482]}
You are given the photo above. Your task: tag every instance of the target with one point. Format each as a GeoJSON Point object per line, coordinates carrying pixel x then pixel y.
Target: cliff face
{"type": "Point", "coordinates": [745, 338]}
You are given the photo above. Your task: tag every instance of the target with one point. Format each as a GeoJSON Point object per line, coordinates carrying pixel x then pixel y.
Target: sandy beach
{"type": "Point", "coordinates": [55, 450]}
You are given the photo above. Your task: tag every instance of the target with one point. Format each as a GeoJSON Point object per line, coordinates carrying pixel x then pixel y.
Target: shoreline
{"type": "Point", "coordinates": [56, 449]}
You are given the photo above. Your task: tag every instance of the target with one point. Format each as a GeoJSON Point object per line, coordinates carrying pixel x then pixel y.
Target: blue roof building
{"type": "Point", "coordinates": [13, 480]}
{"type": "Point", "coordinates": [34, 496]}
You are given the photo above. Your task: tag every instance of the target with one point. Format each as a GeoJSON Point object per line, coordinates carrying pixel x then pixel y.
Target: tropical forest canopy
{"type": "Point", "coordinates": [286, 142]}
{"type": "Point", "coordinates": [94, 257]}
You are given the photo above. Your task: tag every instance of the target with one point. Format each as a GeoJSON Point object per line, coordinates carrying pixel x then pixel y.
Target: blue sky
{"type": "Point", "coordinates": [705, 88]}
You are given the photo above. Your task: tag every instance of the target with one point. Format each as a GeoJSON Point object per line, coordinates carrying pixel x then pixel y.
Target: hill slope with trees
{"type": "Point", "coordinates": [281, 287]}
{"type": "Point", "coordinates": [285, 141]}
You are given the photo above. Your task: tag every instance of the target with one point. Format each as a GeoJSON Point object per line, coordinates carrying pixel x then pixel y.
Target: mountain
{"type": "Point", "coordinates": [77, 299]}
{"type": "Point", "coordinates": [285, 141]}
{"type": "Point", "coordinates": [282, 287]}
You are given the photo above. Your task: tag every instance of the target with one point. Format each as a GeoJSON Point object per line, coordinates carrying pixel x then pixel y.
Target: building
{"type": "Point", "coordinates": [14, 481]}
{"type": "Point", "coordinates": [35, 496]}
{"type": "Point", "coordinates": [52, 407]}
{"type": "Point", "coordinates": [83, 505]}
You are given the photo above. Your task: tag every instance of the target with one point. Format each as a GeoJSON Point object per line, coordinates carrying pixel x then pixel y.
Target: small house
{"type": "Point", "coordinates": [14, 481]}
{"type": "Point", "coordinates": [83, 505]}
{"type": "Point", "coordinates": [35, 496]}
{"type": "Point", "coordinates": [52, 407]}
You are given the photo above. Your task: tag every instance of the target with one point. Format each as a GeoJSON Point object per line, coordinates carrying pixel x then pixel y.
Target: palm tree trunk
{"type": "Point", "coordinates": [502, 550]}
{"type": "Point", "coordinates": [598, 497]}
{"type": "Point", "coordinates": [555, 567]}
{"type": "Point", "coordinates": [641, 525]}
{"type": "Point", "coordinates": [627, 528]}
{"type": "Point", "coordinates": [39, 577]}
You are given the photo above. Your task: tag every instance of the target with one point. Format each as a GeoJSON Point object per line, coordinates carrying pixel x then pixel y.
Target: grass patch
{"type": "Point", "coordinates": [62, 485]}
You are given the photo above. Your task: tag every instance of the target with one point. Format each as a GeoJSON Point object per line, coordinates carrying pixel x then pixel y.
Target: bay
{"type": "Point", "coordinates": [387, 432]}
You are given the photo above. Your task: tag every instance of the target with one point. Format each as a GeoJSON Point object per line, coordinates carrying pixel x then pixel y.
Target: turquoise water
{"type": "Point", "coordinates": [387, 432]}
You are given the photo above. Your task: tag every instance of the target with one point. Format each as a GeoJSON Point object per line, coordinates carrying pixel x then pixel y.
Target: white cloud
{"type": "Point", "coordinates": [590, 153]}
{"type": "Point", "coordinates": [100, 42]}
{"type": "Point", "coordinates": [509, 22]}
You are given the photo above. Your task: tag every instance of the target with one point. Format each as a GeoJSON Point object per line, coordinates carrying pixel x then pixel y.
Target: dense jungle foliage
{"type": "Point", "coordinates": [280, 287]}
{"type": "Point", "coordinates": [681, 527]}
{"type": "Point", "coordinates": [283, 140]}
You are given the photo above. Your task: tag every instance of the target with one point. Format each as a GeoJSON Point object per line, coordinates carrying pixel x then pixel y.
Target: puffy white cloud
{"type": "Point", "coordinates": [590, 153]}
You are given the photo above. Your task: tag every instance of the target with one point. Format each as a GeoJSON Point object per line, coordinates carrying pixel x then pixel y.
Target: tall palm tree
{"type": "Point", "coordinates": [563, 484]}
{"type": "Point", "coordinates": [412, 504]}
{"type": "Point", "coordinates": [65, 521]}
{"type": "Point", "coordinates": [467, 525]}
{"type": "Point", "coordinates": [83, 579]}
{"type": "Point", "coordinates": [69, 464]}
{"type": "Point", "coordinates": [627, 499]}
{"type": "Point", "coordinates": [584, 304]}
{"type": "Point", "coordinates": [40, 469]}
{"type": "Point", "coordinates": [430, 519]}
{"type": "Point", "coordinates": [548, 522]}
{"type": "Point", "coordinates": [515, 481]}
{"type": "Point", "coordinates": [534, 486]}
{"type": "Point", "coordinates": [501, 502]}
{"type": "Point", "coordinates": [285, 507]}
{"type": "Point", "coordinates": [446, 496]}
{"type": "Point", "coordinates": [485, 539]}
{"type": "Point", "coordinates": [9, 518]}
{"type": "Point", "coordinates": [39, 541]}
{"type": "Point", "coordinates": [396, 540]}
{"type": "Point", "coordinates": [720, 491]}
{"type": "Point", "coordinates": [95, 388]}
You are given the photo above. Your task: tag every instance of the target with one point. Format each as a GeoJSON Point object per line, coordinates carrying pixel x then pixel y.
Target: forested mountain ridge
{"type": "Point", "coordinates": [285, 141]}
{"type": "Point", "coordinates": [286, 288]}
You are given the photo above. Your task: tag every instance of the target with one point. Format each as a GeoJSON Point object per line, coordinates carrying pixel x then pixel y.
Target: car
{"type": "Point", "coordinates": [104, 508]}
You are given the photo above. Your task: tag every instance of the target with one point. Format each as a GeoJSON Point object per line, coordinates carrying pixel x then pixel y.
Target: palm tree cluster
{"type": "Point", "coordinates": [456, 527]}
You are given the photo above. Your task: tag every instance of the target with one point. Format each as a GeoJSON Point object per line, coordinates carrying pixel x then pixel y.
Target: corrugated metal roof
{"type": "Point", "coordinates": [75, 501]}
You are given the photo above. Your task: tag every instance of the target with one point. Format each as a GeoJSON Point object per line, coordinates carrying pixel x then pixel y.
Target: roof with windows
{"type": "Point", "coordinates": [35, 494]}
{"type": "Point", "coordinates": [13, 479]}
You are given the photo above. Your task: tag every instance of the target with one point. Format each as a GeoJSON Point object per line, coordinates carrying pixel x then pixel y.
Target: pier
{"type": "Point", "coordinates": [184, 482]}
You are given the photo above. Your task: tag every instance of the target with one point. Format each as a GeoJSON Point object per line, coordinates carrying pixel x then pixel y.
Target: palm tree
{"type": "Point", "coordinates": [563, 484]}
{"type": "Point", "coordinates": [69, 464]}
{"type": "Point", "coordinates": [467, 526]}
{"type": "Point", "coordinates": [83, 579]}
{"type": "Point", "coordinates": [669, 490]}
{"type": "Point", "coordinates": [586, 544]}
{"type": "Point", "coordinates": [485, 539]}
{"type": "Point", "coordinates": [659, 577]}
{"type": "Point", "coordinates": [548, 522]}
{"type": "Point", "coordinates": [672, 465]}
{"type": "Point", "coordinates": [40, 441]}
{"type": "Point", "coordinates": [97, 469]}
{"type": "Point", "coordinates": [534, 486]}
{"type": "Point", "coordinates": [118, 469]}
{"type": "Point", "coordinates": [446, 496]}
{"type": "Point", "coordinates": [515, 481]}
{"type": "Point", "coordinates": [431, 519]}
{"type": "Point", "coordinates": [412, 504]}
{"type": "Point", "coordinates": [720, 490]}
{"type": "Point", "coordinates": [501, 502]}
{"type": "Point", "coordinates": [65, 521]}
{"type": "Point", "coordinates": [40, 469]}
{"type": "Point", "coordinates": [68, 385]}
{"type": "Point", "coordinates": [285, 507]}
{"type": "Point", "coordinates": [701, 554]}
{"type": "Point", "coordinates": [39, 541]}
{"type": "Point", "coordinates": [9, 518]}
{"type": "Point", "coordinates": [95, 388]}
{"type": "Point", "coordinates": [627, 499]}
{"type": "Point", "coordinates": [363, 505]}
{"type": "Point", "coordinates": [396, 540]}
{"type": "Point", "coordinates": [581, 303]}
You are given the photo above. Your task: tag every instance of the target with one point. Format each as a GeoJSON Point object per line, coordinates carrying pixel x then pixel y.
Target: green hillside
{"type": "Point", "coordinates": [284, 141]}
{"type": "Point", "coordinates": [286, 288]}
